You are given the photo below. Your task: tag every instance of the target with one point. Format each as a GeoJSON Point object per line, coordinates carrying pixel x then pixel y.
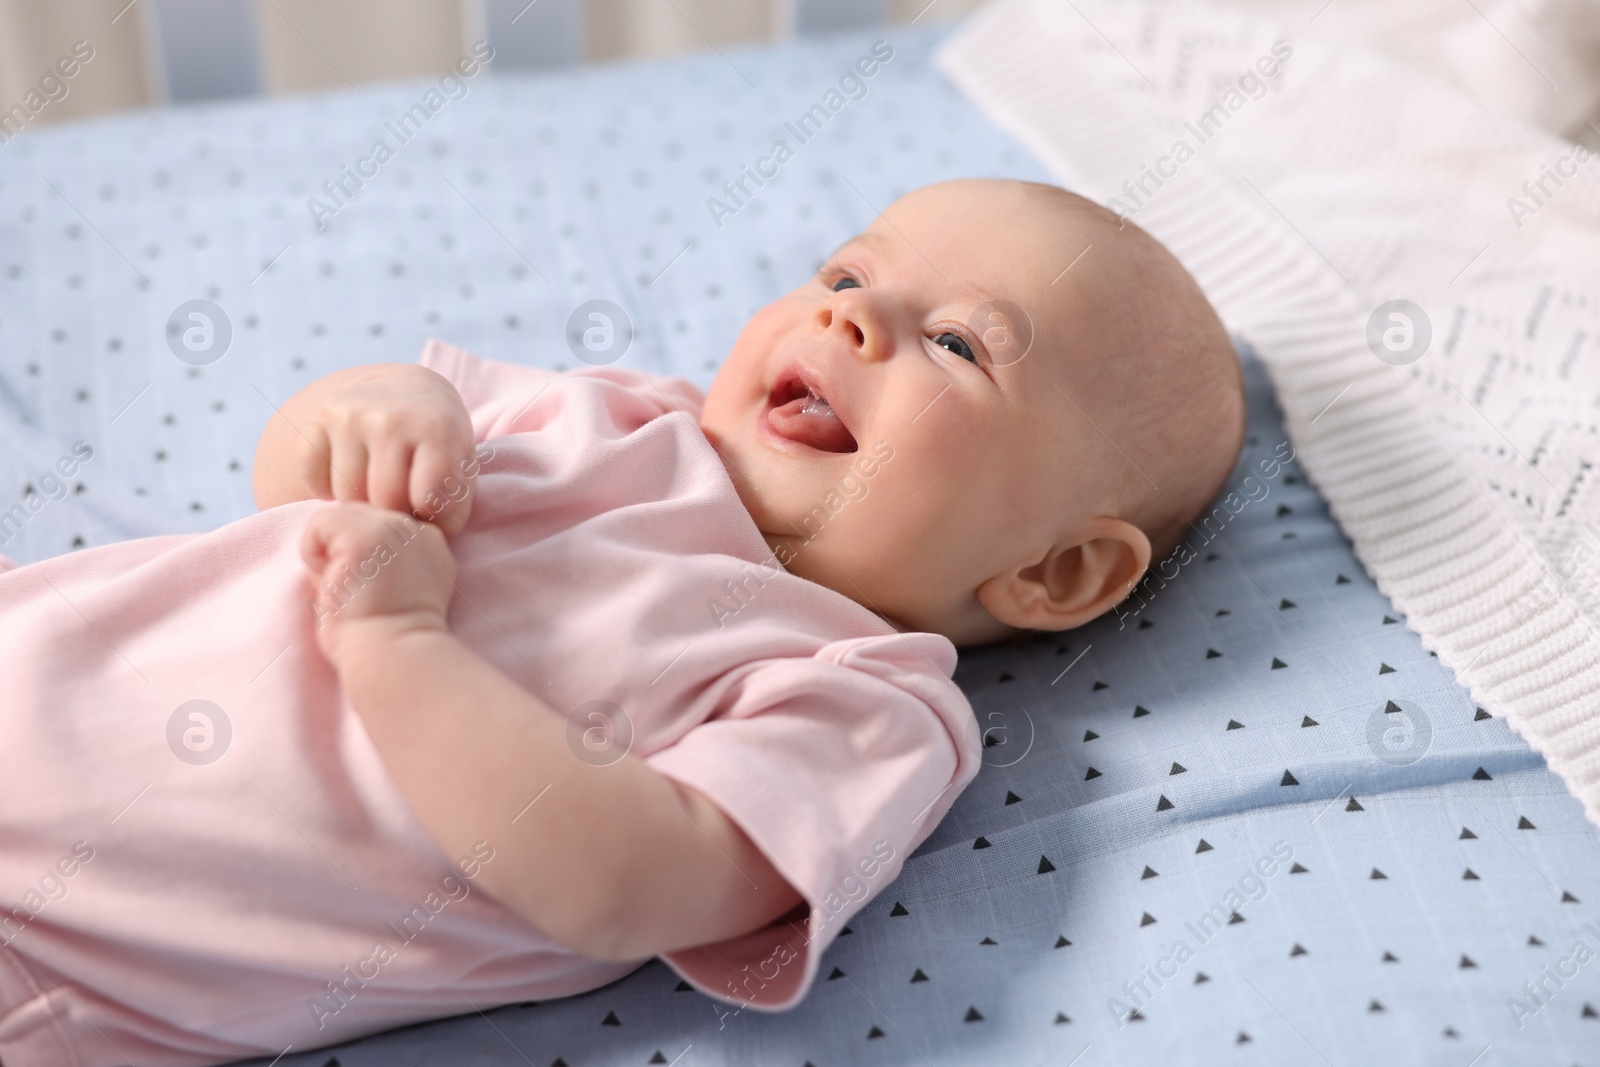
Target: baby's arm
{"type": "Point", "coordinates": [616, 862]}
{"type": "Point", "coordinates": [395, 434]}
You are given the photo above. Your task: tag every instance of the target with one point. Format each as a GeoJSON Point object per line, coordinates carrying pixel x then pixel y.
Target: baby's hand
{"type": "Point", "coordinates": [396, 435]}
{"type": "Point", "coordinates": [375, 568]}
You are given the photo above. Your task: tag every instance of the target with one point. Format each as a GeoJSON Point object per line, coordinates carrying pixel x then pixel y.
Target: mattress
{"type": "Point", "coordinates": [1246, 819]}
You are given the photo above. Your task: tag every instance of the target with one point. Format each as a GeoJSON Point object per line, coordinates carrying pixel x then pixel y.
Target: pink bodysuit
{"type": "Point", "coordinates": [192, 883]}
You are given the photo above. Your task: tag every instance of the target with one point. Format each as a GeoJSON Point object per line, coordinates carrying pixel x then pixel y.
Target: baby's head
{"type": "Point", "coordinates": [988, 413]}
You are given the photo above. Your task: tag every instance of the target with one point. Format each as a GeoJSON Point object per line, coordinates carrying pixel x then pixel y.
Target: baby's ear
{"type": "Point", "coordinates": [1080, 577]}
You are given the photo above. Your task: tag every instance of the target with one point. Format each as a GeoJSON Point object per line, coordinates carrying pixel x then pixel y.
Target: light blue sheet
{"type": "Point", "coordinates": [598, 180]}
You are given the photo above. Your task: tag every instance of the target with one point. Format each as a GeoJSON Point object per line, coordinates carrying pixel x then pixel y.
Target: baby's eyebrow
{"type": "Point", "coordinates": [865, 237]}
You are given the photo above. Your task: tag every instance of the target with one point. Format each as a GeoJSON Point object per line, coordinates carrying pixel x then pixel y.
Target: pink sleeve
{"type": "Point", "coordinates": [837, 767]}
{"type": "Point", "coordinates": [506, 398]}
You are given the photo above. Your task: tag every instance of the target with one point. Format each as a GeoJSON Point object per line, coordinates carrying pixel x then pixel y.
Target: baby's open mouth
{"type": "Point", "coordinates": [800, 413]}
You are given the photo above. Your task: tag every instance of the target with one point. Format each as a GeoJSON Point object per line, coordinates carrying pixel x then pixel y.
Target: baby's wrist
{"type": "Point", "coordinates": [354, 643]}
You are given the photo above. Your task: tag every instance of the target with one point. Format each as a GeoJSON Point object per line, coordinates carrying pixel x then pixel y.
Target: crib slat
{"type": "Point", "coordinates": [203, 49]}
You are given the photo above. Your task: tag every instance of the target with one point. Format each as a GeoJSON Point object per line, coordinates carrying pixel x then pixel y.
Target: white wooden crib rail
{"type": "Point", "coordinates": [66, 58]}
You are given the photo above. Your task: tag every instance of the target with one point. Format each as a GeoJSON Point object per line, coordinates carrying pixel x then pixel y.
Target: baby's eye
{"type": "Point", "coordinates": [846, 282]}
{"type": "Point", "coordinates": [954, 342]}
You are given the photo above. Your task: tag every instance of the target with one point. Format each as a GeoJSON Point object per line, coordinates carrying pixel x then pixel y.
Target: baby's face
{"type": "Point", "coordinates": [900, 426]}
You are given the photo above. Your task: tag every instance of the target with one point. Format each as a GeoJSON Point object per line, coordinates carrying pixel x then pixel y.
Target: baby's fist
{"type": "Point", "coordinates": [372, 565]}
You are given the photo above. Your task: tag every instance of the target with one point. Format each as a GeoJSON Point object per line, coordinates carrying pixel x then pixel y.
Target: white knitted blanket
{"type": "Point", "coordinates": [1464, 473]}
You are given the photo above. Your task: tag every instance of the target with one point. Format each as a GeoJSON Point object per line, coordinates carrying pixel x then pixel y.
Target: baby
{"type": "Point", "coordinates": [658, 674]}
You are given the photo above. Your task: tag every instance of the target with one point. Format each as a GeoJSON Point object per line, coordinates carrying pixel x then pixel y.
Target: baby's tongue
{"type": "Point", "coordinates": [811, 421]}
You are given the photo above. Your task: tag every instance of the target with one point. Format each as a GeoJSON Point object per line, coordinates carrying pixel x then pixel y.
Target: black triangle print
{"type": "Point", "coordinates": [1568, 898]}
{"type": "Point", "coordinates": [658, 1057]}
{"type": "Point", "coordinates": [1470, 876]}
{"type": "Point", "coordinates": [1221, 612]}
{"type": "Point", "coordinates": [846, 932]}
{"type": "Point", "coordinates": [1481, 775]}
{"type": "Point", "coordinates": [1177, 768]}
{"type": "Point", "coordinates": [1387, 621]}
{"type": "Point", "coordinates": [1060, 1018]}
{"type": "Point", "coordinates": [1201, 976]}
{"type": "Point", "coordinates": [1283, 509]}
{"type": "Point", "coordinates": [1140, 711]}
{"type": "Point", "coordinates": [1341, 580]}
{"type": "Point", "coordinates": [1467, 835]}
{"type": "Point", "coordinates": [1390, 707]}
{"type": "Point", "coordinates": [1146, 919]}
{"type": "Point", "coordinates": [1533, 940]}
{"type": "Point", "coordinates": [837, 973]}
{"type": "Point", "coordinates": [1289, 779]}
{"type": "Point", "coordinates": [1480, 715]}
{"type": "Point", "coordinates": [1374, 1006]}
{"type": "Point", "coordinates": [1354, 805]}
{"type": "Point", "coordinates": [1308, 721]}
{"type": "Point", "coordinates": [611, 1019]}
{"type": "Point", "coordinates": [989, 741]}
{"type": "Point", "coordinates": [1285, 605]}
{"type": "Point", "coordinates": [1466, 962]}
{"type": "Point", "coordinates": [1278, 664]}
{"type": "Point", "coordinates": [1587, 1013]}
{"type": "Point", "coordinates": [1297, 951]}
{"type": "Point", "coordinates": [1524, 824]}
{"type": "Point", "coordinates": [1377, 875]}
{"type": "Point", "coordinates": [1384, 668]}
{"type": "Point", "coordinates": [1098, 686]}
{"type": "Point", "coordinates": [1091, 775]}
{"type": "Point", "coordinates": [1089, 735]}
{"type": "Point", "coordinates": [1212, 653]}
{"type": "Point", "coordinates": [1164, 804]}
{"type": "Point", "coordinates": [1045, 866]}
{"type": "Point", "coordinates": [898, 909]}
{"type": "Point", "coordinates": [1235, 724]}
{"type": "Point", "coordinates": [988, 941]}
{"type": "Point", "coordinates": [1061, 941]}
{"type": "Point", "coordinates": [982, 842]}
{"type": "Point", "coordinates": [1149, 872]}
{"type": "Point", "coordinates": [874, 1032]}
{"type": "Point", "coordinates": [1390, 957]}
{"type": "Point", "coordinates": [1242, 1039]}
{"type": "Point", "coordinates": [1005, 676]}
{"type": "Point", "coordinates": [1203, 846]}
{"type": "Point", "coordinates": [1061, 650]}
{"type": "Point", "coordinates": [1135, 1017]}
{"type": "Point", "coordinates": [1235, 918]}
{"type": "Point", "coordinates": [557, 1062]}
{"type": "Point", "coordinates": [919, 976]}
{"type": "Point", "coordinates": [1297, 869]}
{"type": "Point", "coordinates": [1145, 624]}
{"type": "Point", "coordinates": [1012, 798]}
{"type": "Point", "coordinates": [683, 987]}
{"type": "Point", "coordinates": [973, 1015]}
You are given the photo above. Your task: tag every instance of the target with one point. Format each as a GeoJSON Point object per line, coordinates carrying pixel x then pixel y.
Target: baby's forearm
{"type": "Point", "coordinates": [615, 862]}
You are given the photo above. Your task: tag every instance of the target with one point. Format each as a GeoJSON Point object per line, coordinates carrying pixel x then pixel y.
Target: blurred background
{"type": "Point", "coordinates": [180, 51]}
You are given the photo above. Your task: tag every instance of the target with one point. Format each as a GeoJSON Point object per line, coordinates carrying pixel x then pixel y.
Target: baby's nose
{"type": "Point", "coordinates": [856, 324]}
